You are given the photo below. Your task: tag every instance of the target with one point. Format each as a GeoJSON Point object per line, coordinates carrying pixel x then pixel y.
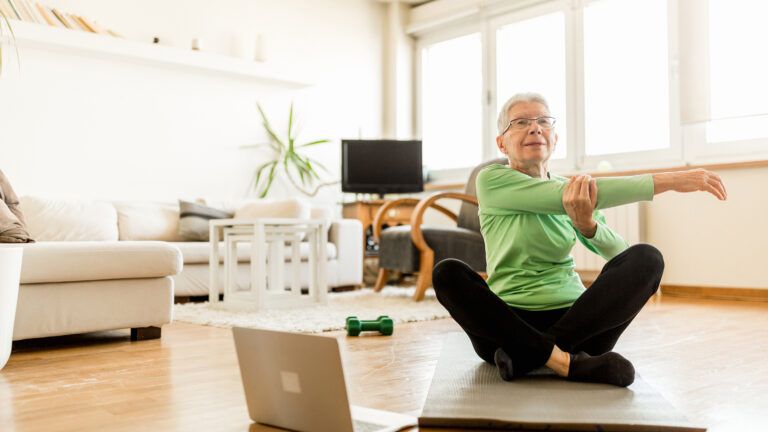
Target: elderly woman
{"type": "Point", "coordinates": [533, 310]}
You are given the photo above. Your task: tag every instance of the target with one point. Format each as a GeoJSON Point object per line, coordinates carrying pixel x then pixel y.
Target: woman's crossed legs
{"type": "Point", "coordinates": [530, 339]}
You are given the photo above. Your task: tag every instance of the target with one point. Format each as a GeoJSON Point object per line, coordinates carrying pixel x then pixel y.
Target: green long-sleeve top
{"type": "Point", "coordinates": [529, 236]}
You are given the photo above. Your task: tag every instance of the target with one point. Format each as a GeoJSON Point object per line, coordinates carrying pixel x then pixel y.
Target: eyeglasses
{"type": "Point", "coordinates": [524, 123]}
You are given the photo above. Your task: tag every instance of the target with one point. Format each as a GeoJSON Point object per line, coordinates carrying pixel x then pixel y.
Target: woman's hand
{"type": "Point", "coordinates": [579, 200]}
{"type": "Point", "coordinates": [690, 181]}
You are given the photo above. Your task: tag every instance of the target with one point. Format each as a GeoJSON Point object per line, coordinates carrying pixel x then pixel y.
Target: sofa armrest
{"type": "Point", "coordinates": [347, 235]}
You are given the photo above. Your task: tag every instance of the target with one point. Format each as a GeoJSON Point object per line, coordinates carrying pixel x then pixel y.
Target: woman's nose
{"type": "Point", "coordinates": [535, 129]}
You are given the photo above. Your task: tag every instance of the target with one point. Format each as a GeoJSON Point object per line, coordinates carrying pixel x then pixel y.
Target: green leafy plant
{"type": "Point", "coordinates": [287, 157]}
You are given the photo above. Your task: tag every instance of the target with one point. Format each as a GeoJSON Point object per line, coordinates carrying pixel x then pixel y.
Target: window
{"type": "Point", "coordinates": [626, 78]}
{"type": "Point", "coordinates": [530, 56]}
{"type": "Point", "coordinates": [634, 84]}
{"type": "Point", "coordinates": [738, 70]}
{"type": "Point", "coordinates": [451, 102]}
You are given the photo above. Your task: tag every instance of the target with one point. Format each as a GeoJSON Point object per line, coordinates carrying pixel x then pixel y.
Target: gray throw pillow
{"type": "Point", "coordinates": [193, 220]}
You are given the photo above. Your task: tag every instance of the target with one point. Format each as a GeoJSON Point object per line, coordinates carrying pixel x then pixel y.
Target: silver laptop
{"type": "Point", "coordinates": [296, 381]}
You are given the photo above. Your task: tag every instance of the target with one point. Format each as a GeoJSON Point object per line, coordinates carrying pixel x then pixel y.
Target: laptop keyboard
{"type": "Point", "coordinates": [362, 426]}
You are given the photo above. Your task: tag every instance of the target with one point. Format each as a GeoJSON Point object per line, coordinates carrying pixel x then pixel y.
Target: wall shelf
{"type": "Point", "coordinates": [100, 46]}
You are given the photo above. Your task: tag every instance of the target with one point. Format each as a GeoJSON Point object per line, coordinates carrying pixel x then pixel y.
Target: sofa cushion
{"type": "Point", "coordinates": [46, 262]}
{"type": "Point", "coordinates": [198, 252]}
{"type": "Point", "coordinates": [69, 220]}
{"type": "Point", "coordinates": [194, 217]}
{"type": "Point", "coordinates": [143, 220]}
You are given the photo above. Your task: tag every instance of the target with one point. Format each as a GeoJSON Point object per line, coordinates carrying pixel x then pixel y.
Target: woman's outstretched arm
{"type": "Point", "coordinates": [580, 197]}
{"type": "Point", "coordinates": [690, 181]}
{"type": "Point", "coordinates": [502, 190]}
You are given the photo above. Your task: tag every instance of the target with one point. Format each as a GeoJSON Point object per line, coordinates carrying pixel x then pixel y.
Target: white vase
{"type": "Point", "coordinates": [10, 271]}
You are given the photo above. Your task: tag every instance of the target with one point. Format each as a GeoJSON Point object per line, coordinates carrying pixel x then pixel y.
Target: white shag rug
{"type": "Point", "coordinates": [395, 302]}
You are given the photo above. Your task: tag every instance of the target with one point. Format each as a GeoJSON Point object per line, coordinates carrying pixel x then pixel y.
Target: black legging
{"type": "Point", "coordinates": [592, 324]}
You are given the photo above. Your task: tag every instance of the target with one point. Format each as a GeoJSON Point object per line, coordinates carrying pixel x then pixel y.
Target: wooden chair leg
{"type": "Point", "coordinates": [426, 262]}
{"type": "Point", "coordinates": [381, 279]}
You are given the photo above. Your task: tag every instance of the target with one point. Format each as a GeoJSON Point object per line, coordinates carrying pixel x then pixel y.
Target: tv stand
{"type": "Point", "coordinates": [365, 211]}
{"type": "Point", "coordinates": [372, 197]}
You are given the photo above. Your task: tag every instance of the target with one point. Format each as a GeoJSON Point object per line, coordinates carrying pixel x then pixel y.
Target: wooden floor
{"type": "Point", "coordinates": [708, 358]}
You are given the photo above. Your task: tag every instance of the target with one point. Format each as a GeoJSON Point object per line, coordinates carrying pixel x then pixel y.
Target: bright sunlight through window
{"type": "Point", "coordinates": [626, 79]}
{"type": "Point", "coordinates": [738, 70]}
{"type": "Point", "coordinates": [451, 103]}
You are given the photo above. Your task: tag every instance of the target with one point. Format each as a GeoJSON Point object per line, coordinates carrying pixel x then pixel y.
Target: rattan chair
{"type": "Point", "coordinates": [416, 248]}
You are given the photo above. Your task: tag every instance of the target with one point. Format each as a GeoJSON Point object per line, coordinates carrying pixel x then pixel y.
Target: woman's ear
{"type": "Point", "coordinates": [500, 144]}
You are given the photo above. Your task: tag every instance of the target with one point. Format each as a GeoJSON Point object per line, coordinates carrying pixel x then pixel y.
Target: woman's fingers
{"type": "Point", "coordinates": [714, 191]}
{"type": "Point", "coordinates": [571, 191]}
{"type": "Point", "coordinates": [717, 182]}
{"type": "Point", "coordinates": [580, 188]}
{"type": "Point", "coordinates": [584, 187]}
{"type": "Point", "coordinates": [700, 179]}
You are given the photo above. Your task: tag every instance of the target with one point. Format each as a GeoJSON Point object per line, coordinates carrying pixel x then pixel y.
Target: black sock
{"type": "Point", "coordinates": [504, 364]}
{"type": "Point", "coordinates": [608, 368]}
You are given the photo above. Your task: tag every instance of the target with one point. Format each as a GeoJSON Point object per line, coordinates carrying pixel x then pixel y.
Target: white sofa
{"type": "Point", "coordinates": [101, 265]}
{"type": "Point", "coordinates": [70, 287]}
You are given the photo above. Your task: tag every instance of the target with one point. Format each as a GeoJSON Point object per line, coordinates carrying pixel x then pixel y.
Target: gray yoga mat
{"type": "Point", "coordinates": [468, 392]}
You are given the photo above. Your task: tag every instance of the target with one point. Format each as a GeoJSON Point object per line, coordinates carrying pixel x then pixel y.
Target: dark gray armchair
{"type": "Point", "coordinates": [416, 248]}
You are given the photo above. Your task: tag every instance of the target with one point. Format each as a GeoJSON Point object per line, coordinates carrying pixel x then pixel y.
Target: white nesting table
{"type": "Point", "coordinates": [268, 239]}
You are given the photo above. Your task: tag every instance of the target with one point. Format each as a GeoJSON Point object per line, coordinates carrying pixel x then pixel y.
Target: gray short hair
{"type": "Point", "coordinates": [514, 100]}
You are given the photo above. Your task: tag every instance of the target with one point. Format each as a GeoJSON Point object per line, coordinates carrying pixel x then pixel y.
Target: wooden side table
{"type": "Point", "coordinates": [365, 211]}
{"type": "Point", "coordinates": [268, 238]}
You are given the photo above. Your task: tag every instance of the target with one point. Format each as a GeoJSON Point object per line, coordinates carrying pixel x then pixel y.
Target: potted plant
{"type": "Point", "coordinates": [288, 158]}
{"type": "Point", "coordinates": [10, 272]}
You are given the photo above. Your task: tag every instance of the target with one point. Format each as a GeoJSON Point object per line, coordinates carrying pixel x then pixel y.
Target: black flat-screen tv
{"type": "Point", "coordinates": [381, 166]}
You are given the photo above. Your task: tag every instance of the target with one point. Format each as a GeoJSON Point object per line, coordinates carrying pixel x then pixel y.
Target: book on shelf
{"type": "Point", "coordinates": [11, 9]}
{"type": "Point", "coordinates": [36, 12]}
{"type": "Point", "coordinates": [84, 24]}
{"type": "Point", "coordinates": [62, 19]}
{"type": "Point", "coordinates": [76, 24]}
{"type": "Point", "coordinates": [5, 8]}
{"type": "Point", "coordinates": [47, 15]}
{"type": "Point", "coordinates": [20, 14]}
{"type": "Point", "coordinates": [30, 11]}
{"type": "Point", "coordinates": [91, 25]}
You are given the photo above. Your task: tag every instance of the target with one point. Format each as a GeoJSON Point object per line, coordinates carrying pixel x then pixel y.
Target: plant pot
{"type": "Point", "coordinates": [10, 272]}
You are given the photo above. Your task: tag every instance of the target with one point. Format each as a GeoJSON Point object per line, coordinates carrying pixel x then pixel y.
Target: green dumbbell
{"type": "Point", "coordinates": [382, 324]}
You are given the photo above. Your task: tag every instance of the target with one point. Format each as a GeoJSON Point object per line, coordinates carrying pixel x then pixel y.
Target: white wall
{"type": "Point", "coordinates": [85, 127]}
{"type": "Point", "coordinates": [711, 243]}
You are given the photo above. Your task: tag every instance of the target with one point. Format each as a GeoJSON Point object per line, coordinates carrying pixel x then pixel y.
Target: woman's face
{"type": "Point", "coordinates": [532, 144]}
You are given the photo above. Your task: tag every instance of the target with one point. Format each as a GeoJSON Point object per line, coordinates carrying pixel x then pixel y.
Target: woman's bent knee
{"type": "Point", "coordinates": [447, 270]}
{"type": "Point", "coordinates": [649, 264]}
{"type": "Point", "coordinates": [450, 275]}
{"type": "Point", "coordinates": [648, 258]}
